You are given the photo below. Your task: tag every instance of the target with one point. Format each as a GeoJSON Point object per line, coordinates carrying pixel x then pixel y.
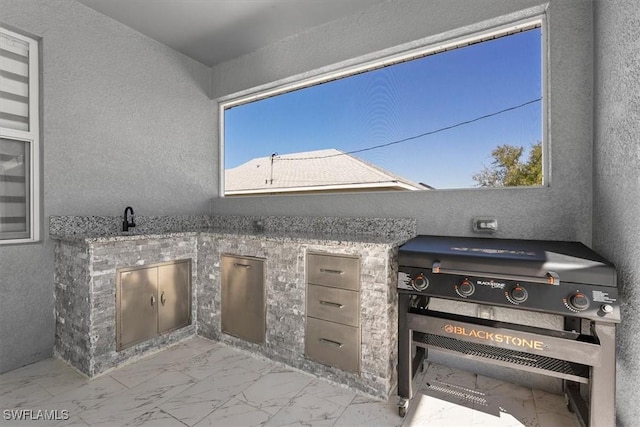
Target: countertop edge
{"type": "Point", "coordinates": [283, 237]}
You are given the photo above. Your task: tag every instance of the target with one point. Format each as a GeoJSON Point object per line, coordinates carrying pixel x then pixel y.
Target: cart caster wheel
{"type": "Point", "coordinates": [403, 405]}
{"type": "Point", "coordinates": [567, 402]}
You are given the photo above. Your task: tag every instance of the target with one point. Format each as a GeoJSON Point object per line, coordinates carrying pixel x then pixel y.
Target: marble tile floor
{"type": "Point", "coordinates": [203, 383]}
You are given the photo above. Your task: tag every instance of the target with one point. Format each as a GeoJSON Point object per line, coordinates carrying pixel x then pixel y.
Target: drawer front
{"type": "Point", "coordinates": [336, 271]}
{"type": "Point", "coordinates": [333, 344]}
{"type": "Point", "coordinates": [334, 304]}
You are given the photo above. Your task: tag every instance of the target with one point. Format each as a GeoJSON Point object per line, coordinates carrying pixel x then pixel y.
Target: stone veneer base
{"type": "Point", "coordinates": [85, 272]}
{"type": "Point", "coordinates": [286, 295]}
{"type": "Point", "coordinates": [85, 298]}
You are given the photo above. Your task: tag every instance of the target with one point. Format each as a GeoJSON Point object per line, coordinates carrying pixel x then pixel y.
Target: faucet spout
{"type": "Point", "coordinates": [126, 224]}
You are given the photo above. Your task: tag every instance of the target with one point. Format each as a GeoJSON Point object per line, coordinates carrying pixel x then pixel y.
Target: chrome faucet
{"type": "Point", "coordinates": [126, 223]}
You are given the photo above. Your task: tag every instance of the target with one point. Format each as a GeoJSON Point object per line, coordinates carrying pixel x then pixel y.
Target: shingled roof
{"type": "Point", "coordinates": [312, 171]}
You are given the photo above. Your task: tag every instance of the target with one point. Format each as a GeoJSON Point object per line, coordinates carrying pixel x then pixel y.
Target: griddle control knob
{"type": "Point", "coordinates": [578, 301]}
{"type": "Point", "coordinates": [465, 288]}
{"type": "Point", "coordinates": [518, 294]}
{"type": "Point", "coordinates": [420, 283]}
{"type": "Point", "coordinates": [607, 308]}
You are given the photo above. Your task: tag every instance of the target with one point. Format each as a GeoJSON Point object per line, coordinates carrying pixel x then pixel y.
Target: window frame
{"type": "Point", "coordinates": [389, 57]}
{"type": "Point", "coordinates": [32, 137]}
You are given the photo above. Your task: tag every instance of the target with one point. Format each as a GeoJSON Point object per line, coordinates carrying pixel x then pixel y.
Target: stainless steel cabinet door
{"type": "Point", "coordinates": [243, 298]}
{"type": "Point", "coordinates": [137, 301]}
{"type": "Point", "coordinates": [174, 296]}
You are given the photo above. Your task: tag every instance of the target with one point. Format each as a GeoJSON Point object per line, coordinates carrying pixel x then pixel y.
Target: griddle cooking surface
{"type": "Point", "coordinates": [572, 261]}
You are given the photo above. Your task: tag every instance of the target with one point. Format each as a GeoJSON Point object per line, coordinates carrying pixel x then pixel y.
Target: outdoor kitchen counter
{"type": "Point", "coordinates": [87, 259]}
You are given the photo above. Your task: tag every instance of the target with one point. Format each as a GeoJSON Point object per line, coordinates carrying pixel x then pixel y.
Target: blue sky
{"type": "Point", "coordinates": [401, 101]}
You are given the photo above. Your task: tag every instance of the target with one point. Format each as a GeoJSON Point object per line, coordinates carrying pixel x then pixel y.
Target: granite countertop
{"type": "Point", "coordinates": [106, 229]}
{"type": "Point", "coordinates": [284, 236]}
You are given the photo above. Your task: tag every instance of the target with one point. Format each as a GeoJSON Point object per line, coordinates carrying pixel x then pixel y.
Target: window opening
{"type": "Point", "coordinates": [458, 115]}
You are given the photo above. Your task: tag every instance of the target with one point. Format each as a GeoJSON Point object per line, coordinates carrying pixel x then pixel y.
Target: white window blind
{"type": "Point", "coordinates": [19, 135]}
{"type": "Point", "coordinates": [14, 83]}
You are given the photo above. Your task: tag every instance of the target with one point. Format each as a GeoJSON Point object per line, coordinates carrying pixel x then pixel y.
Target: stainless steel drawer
{"type": "Point", "coordinates": [331, 270]}
{"type": "Point", "coordinates": [333, 344]}
{"type": "Point", "coordinates": [334, 304]}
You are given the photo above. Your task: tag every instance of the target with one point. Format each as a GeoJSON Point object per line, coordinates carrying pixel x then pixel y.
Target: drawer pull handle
{"type": "Point", "coordinates": [330, 271]}
{"type": "Point", "coordinates": [336, 343]}
{"type": "Point", "coordinates": [153, 301]}
{"type": "Point", "coordinates": [237, 264]}
{"type": "Point", "coordinates": [163, 300]}
{"type": "Point", "coordinates": [332, 304]}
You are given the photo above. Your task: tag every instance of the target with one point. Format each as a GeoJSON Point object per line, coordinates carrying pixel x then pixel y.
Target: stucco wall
{"type": "Point", "coordinates": [126, 121]}
{"type": "Point", "coordinates": [560, 211]}
{"type": "Point", "coordinates": [616, 209]}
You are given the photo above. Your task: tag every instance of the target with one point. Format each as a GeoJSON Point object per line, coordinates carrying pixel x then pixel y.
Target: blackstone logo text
{"type": "Point", "coordinates": [492, 284]}
{"type": "Point", "coordinates": [497, 338]}
{"type": "Point", "coordinates": [35, 415]}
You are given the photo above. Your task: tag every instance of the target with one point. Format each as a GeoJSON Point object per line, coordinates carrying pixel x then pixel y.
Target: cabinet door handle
{"type": "Point", "coordinates": [336, 343]}
{"type": "Point", "coordinates": [330, 271]}
{"type": "Point", "coordinates": [162, 298]}
{"type": "Point", "coordinates": [332, 304]}
{"type": "Point", "coordinates": [237, 264]}
{"type": "Point", "coordinates": [153, 301]}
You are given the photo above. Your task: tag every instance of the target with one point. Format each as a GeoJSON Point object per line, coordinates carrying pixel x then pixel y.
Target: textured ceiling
{"type": "Point", "coordinates": [214, 31]}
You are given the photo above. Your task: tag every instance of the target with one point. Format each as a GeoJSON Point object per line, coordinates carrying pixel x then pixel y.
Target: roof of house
{"type": "Point", "coordinates": [320, 170]}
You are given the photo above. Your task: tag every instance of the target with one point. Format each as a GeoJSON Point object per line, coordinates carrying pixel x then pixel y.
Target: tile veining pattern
{"type": "Point", "coordinates": [200, 383]}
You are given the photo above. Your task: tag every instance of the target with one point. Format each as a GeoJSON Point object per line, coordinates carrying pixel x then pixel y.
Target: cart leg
{"type": "Point", "coordinates": [405, 370]}
{"type": "Point", "coordinates": [603, 378]}
{"type": "Point", "coordinates": [403, 406]}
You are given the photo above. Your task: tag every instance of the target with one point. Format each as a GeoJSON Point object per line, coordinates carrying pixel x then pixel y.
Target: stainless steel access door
{"type": "Point", "coordinates": [243, 298]}
{"type": "Point", "coordinates": [137, 300]}
{"type": "Point", "coordinates": [174, 296]}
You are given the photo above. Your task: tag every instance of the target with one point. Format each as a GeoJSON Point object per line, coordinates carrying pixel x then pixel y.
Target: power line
{"type": "Point", "coordinates": [466, 122]}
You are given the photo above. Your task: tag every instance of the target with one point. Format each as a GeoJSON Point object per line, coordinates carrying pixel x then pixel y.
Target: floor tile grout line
{"type": "Point", "coordinates": [31, 403]}
{"type": "Point", "coordinates": [121, 383]}
{"type": "Point", "coordinates": [177, 419]}
{"type": "Point", "coordinates": [212, 411]}
{"type": "Point", "coordinates": [535, 407]}
{"type": "Point", "coordinates": [127, 389]}
{"type": "Point", "coordinates": [198, 381]}
{"type": "Point", "coordinates": [163, 370]}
